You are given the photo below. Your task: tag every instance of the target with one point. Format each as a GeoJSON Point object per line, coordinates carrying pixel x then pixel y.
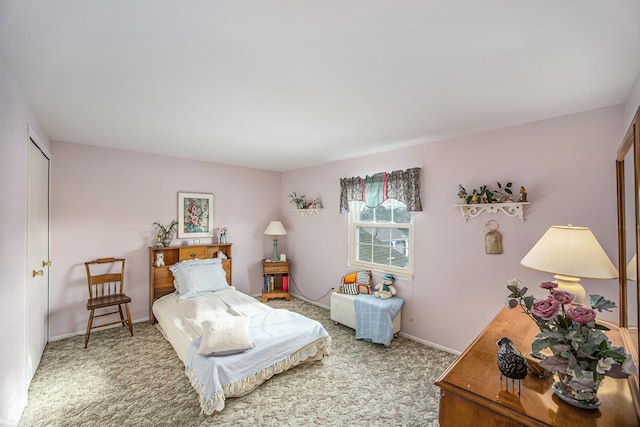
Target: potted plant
{"type": "Point", "coordinates": [582, 353]}
{"type": "Point", "coordinates": [299, 201]}
{"type": "Point", "coordinates": [165, 233]}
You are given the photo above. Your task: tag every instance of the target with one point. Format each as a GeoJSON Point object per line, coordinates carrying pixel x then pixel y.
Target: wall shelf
{"type": "Point", "coordinates": [511, 209]}
{"type": "Point", "coordinates": [312, 211]}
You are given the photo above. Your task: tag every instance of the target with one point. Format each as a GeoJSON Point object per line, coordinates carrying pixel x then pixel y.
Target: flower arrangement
{"type": "Point", "coordinates": [221, 233]}
{"type": "Point", "coordinates": [578, 343]}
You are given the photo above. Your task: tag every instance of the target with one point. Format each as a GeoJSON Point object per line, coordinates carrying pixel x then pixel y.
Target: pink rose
{"type": "Point", "coordinates": [549, 285]}
{"type": "Point", "coordinates": [545, 309]}
{"type": "Point", "coordinates": [562, 297]}
{"type": "Point", "coordinates": [581, 314]}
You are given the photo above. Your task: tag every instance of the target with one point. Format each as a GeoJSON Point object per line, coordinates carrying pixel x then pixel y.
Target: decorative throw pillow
{"type": "Point", "coordinates": [364, 289]}
{"type": "Point", "coordinates": [224, 336]}
{"type": "Point", "coordinates": [350, 289]}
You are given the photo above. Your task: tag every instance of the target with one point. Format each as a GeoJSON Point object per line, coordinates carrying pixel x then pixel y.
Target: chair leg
{"type": "Point", "coordinates": [88, 333]}
{"type": "Point", "coordinates": [121, 315]}
{"type": "Point", "coordinates": [126, 306]}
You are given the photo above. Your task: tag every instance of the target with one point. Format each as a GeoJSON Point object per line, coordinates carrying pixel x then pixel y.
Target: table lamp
{"type": "Point", "coordinates": [275, 229]}
{"type": "Point", "coordinates": [570, 253]}
{"type": "Point", "coordinates": [632, 268]}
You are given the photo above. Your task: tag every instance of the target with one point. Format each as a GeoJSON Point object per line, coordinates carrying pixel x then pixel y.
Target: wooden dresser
{"type": "Point", "coordinates": [161, 279]}
{"type": "Point", "coordinates": [472, 394]}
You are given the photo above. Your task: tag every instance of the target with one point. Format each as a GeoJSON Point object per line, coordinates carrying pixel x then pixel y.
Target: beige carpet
{"type": "Point", "coordinates": [139, 381]}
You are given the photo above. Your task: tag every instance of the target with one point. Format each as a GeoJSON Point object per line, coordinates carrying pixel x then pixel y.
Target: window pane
{"type": "Point", "coordinates": [382, 236]}
{"type": "Point", "coordinates": [400, 214]}
{"type": "Point", "coordinates": [365, 214]}
{"type": "Point", "coordinates": [365, 235]}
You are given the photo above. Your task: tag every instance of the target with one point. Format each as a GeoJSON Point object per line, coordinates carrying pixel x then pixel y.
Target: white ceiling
{"type": "Point", "coordinates": [286, 84]}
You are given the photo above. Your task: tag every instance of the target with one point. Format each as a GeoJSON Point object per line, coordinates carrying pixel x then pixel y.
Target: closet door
{"type": "Point", "coordinates": [37, 291]}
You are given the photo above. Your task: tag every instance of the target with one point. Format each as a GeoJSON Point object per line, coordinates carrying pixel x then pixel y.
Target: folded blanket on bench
{"type": "Point", "coordinates": [374, 318]}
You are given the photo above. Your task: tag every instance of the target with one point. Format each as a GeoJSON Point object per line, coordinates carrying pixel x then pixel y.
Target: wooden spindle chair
{"type": "Point", "coordinates": [106, 289]}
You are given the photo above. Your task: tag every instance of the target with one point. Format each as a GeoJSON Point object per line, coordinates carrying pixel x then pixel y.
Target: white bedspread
{"type": "Point", "coordinates": [283, 339]}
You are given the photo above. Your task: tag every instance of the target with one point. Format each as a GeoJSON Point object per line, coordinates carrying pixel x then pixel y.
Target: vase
{"type": "Point", "coordinates": [582, 393]}
{"type": "Point", "coordinates": [166, 242]}
{"type": "Point", "coordinates": [222, 239]}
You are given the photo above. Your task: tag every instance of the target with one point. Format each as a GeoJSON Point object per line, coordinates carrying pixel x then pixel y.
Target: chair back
{"type": "Point", "coordinates": [105, 276]}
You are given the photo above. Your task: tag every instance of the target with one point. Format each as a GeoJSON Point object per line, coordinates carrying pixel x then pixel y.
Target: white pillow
{"type": "Point", "coordinates": [224, 336]}
{"type": "Point", "coordinates": [190, 263]}
{"type": "Point", "coordinates": [198, 278]}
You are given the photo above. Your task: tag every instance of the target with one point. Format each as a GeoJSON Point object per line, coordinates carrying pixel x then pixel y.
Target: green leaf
{"type": "Point", "coordinates": [539, 344]}
{"type": "Point", "coordinates": [528, 301]}
{"type": "Point", "coordinates": [600, 303]}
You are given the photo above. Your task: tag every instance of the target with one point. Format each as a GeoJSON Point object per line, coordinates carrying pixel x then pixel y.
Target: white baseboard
{"type": "Point", "coordinates": [75, 334]}
{"type": "Point", "coordinates": [429, 343]}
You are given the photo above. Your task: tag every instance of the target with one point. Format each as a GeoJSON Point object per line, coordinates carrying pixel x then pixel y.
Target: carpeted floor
{"type": "Point", "coordinates": [139, 381]}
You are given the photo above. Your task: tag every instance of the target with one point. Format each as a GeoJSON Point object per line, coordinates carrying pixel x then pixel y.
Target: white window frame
{"type": "Point", "coordinates": [354, 224]}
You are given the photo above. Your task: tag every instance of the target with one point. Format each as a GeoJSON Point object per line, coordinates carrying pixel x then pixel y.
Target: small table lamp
{"type": "Point", "coordinates": [632, 268]}
{"type": "Point", "coordinates": [570, 253]}
{"type": "Point", "coordinates": [275, 229]}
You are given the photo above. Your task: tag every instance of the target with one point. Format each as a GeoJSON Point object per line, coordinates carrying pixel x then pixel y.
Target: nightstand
{"type": "Point", "coordinates": [275, 280]}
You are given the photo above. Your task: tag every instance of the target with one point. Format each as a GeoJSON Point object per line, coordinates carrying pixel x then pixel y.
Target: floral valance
{"type": "Point", "coordinates": [374, 190]}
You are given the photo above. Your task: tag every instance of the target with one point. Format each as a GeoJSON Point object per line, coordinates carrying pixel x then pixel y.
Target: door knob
{"type": "Point", "coordinates": [37, 273]}
{"type": "Point", "coordinates": [46, 263]}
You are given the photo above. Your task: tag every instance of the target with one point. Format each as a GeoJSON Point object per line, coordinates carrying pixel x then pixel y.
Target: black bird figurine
{"type": "Point", "coordinates": [511, 363]}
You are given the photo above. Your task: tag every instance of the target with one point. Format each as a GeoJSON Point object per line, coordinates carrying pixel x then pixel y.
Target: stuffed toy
{"type": "Point", "coordinates": [385, 289]}
{"type": "Point", "coordinates": [159, 259]}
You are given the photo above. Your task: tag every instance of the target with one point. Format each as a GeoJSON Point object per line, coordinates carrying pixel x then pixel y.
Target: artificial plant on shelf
{"type": "Point", "coordinates": [166, 232]}
{"type": "Point", "coordinates": [487, 195]}
{"type": "Point", "coordinates": [299, 201]}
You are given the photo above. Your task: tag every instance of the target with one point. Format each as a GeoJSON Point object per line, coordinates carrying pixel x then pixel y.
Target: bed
{"type": "Point", "coordinates": [228, 341]}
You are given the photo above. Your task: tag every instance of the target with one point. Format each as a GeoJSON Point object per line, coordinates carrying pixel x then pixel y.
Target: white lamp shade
{"type": "Point", "coordinates": [632, 269]}
{"type": "Point", "coordinates": [570, 251]}
{"type": "Point", "coordinates": [275, 228]}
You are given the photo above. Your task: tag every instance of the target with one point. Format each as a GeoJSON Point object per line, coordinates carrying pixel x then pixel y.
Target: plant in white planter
{"type": "Point", "coordinates": [166, 232]}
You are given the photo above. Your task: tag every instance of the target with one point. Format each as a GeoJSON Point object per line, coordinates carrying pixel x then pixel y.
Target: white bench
{"type": "Point", "coordinates": [343, 311]}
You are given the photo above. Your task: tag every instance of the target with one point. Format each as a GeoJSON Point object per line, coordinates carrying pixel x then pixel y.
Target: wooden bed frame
{"type": "Point", "coordinates": [161, 278]}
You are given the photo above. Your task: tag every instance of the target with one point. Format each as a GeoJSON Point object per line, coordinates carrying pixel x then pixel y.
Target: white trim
{"type": "Point", "coordinates": [78, 333]}
{"type": "Point", "coordinates": [429, 343]}
{"type": "Point", "coordinates": [33, 135]}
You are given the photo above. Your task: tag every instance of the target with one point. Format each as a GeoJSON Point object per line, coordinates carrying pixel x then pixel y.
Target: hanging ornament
{"type": "Point", "coordinates": [492, 238]}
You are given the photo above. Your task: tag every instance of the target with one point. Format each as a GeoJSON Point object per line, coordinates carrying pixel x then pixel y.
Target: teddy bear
{"type": "Point", "coordinates": [159, 259]}
{"type": "Point", "coordinates": [385, 289]}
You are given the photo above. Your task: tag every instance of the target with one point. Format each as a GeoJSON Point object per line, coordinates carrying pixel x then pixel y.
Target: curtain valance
{"type": "Point", "coordinates": [374, 190]}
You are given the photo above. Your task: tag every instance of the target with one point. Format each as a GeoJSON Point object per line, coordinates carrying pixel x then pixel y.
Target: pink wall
{"type": "Point", "coordinates": [568, 167]}
{"type": "Point", "coordinates": [105, 201]}
{"type": "Point", "coordinates": [15, 118]}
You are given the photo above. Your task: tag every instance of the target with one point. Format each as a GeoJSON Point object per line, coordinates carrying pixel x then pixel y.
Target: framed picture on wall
{"type": "Point", "coordinates": [195, 215]}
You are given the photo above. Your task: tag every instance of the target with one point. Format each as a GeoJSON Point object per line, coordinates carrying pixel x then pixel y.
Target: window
{"type": "Point", "coordinates": [381, 238]}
